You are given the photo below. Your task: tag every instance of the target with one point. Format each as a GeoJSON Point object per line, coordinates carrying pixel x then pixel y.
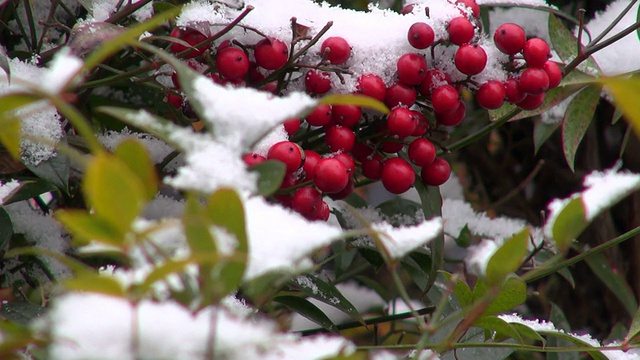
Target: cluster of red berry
{"type": "Point", "coordinates": [342, 142]}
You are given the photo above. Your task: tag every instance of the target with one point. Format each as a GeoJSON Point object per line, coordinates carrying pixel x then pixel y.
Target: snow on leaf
{"type": "Point", "coordinates": [400, 241]}
{"type": "Point", "coordinates": [7, 189]}
{"type": "Point", "coordinates": [62, 70]}
{"type": "Point", "coordinates": [166, 330]}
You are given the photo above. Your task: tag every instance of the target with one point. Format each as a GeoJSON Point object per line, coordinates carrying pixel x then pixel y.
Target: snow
{"type": "Point", "coordinates": [62, 71]}
{"type": "Point", "coordinates": [402, 240]}
{"type": "Point", "coordinates": [547, 326]}
{"type": "Point", "coordinates": [38, 120]}
{"type": "Point", "coordinates": [243, 116]}
{"type": "Point", "coordinates": [603, 190]}
{"type": "Point", "coordinates": [158, 149]}
{"type": "Point", "coordinates": [103, 9]}
{"type": "Point", "coordinates": [169, 331]}
{"type": "Point", "coordinates": [7, 189]}
{"type": "Point", "coordinates": [281, 240]}
{"type": "Point", "coordinates": [619, 57]}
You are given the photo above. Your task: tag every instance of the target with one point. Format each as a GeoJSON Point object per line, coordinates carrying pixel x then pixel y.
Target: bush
{"type": "Point", "coordinates": [199, 181]}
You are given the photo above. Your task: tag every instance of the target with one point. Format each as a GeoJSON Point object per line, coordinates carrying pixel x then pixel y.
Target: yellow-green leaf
{"type": "Point", "coordinates": [114, 191]}
{"type": "Point", "coordinates": [569, 223]}
{"type": "Point", "coordinates": [626, 94]}
{"type": "Point", "coordinates": [508, 258]}
{"type": "Point", "coordinates": [10, 134]}
{"type": "Point", "coordinates": [92, 282]}
{"type": "Point", "coordinates": [86, 227]}
{"type": "Point", "coordinates": [354, 99]}
{"type": "Point", "coordinates": [136, 157]}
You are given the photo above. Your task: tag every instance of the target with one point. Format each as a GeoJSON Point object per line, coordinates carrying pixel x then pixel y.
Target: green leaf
{"type": "Point", "coordinates": [502, 328]}
{"type": "Point", "coordinates": [464, 238]}
{"type": "Point", "coordinates": [460, 289]}
{"type": "Point", "coordinates": [270, 176]}
{"type": "Point", "coordinates": [566, 44]}
{"type": "Point", "coordinates": [527, 332]}
{"type": "Point", "coordinates": [308, 310]}
{"type": "Point", "coordinates": [29, 189]}
{"type": "Point", "coordinates": [4, 65]}
{"type": "Point", "coordinates": [73, 264]}
{"type": "Point", "coordinates": [86, 227]}
{"type": "Point", "coordinates": [136, 157]}
{"type": "Point", "coordinates": [92, 282]}
{"type": "Point", "coordinates": [225, 209]}
{"type": "Point", "coordinates": [512, 293]}
{"type": "Point", "coordinates": [569, 223]}
{"type": "Point", "coordinates": [431, 202]}
{"type": "Point", "coordinates": [542, 132]}
{"type": "Point", "coordinates": [115, 193]}
{"type": "Point", "coordinates": [21, 312]}
{"type": "Point", "coordinates": [196, 226]}
{"type": "Point", "coordinates": [626, 94]}
{"type": "Point", "coordinates": [634, 328]}
{"type": "Point", "coordinates": [10, 134]}
{"type": "Point", "coordinates": [55, 170]}
{"type": "Point", "coordinates": [354, 99]}
{"type": "Point", "coordinates": [614, 281]}
{"type": "Point", "coordinates": [327, 293]}
{"type": "Point", "coordinates": [576, 121]}
{"type": "Point", "coordinates": [6, 229]}
{"type": "Point", "coordinates": [595, 354]}
{"type": "Point", "coordinates": [508, 258]}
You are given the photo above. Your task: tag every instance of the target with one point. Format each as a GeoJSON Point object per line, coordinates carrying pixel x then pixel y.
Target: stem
{"type": "Point", "coordinates": [482, 132]}
{"type": "Point", "coordinates": [378, 320]}
{"type": "Point", "coordinates": [612, 24]}
{"type": "Point", "coordinates": [128, 10]}
{"type": "Point", "coordinates": [78, 121]}
{"type": "Point", "coordinates": [544, 271]}
{"type": "Point", "coordinates": [405, 296]}
{"type": "Point", "coordinates": [580, 29]}
{"type": "Point", "coordinates": [523, 347]}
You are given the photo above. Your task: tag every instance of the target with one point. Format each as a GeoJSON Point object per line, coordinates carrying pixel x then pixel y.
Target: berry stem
{"type": "Point", "coordinates": [580, 51]}
{"type": "Point", "coordinates": [612, 24]}
{"type": "Point", "coordinates": [126, 11]}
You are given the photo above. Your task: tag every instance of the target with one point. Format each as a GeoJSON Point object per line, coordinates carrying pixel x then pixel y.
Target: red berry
{"type": "Point", "coordinates": [421, 124]}
{"type": "Point", "coordinates": [337, 50]}
{"type": "Point", "coordinates": [331, 175]}
{"type": "Point", "coordinates": [534, 81]}
{"type": "Point", "coordinates": [421, 152]}
{"type": "Point", "coordinates": [255, 76]}
{"type": "Point", "coordinates": [372, 85]}
{"type": "Point", "coordinates": [401, 122]}
{"type": "Point", "coordinates": [346, 115]}
{"type": "Point", "coordinates": [291, 126]}
{"type": "Point", "coordinates": [232, 63]}
{"type": "Point", "coordinates": [509, 38]}
{"type": "Point", "coordinates": [320, 116]}
{"type": "Point", "coordinates": [470, 59]}
{"type": "Point", "coordinates": [433, 78]}
{"type": "Point", "coordinates": [555, 74]}
{"type": "Point", "coordinates": [400, 94]}
{"type": "Point", "coordinates": [271, 87]}
{"type": "Point", "coordinates": [436, 173]}
{"type": "Point", "coordinates": [174, 100]}
{"type": "Point", "coordinates": [271, 54]}
{"type": "Point", "coordinates": [513, 92]}
{"type": "Point", "coordinates": [347, 161]}
{"type": "Point", "coordinates": [317, 82]}
{"type": "Point", "coordinates": [460, 30]}
{"type": "Point", "coordinates": [253, 159]}
{"type": "Point", "coordinates": [306, 201]}
{"type": "Point", "coordinates": [445, 99]}
{"type": "Point", "coordinates": [372, 168]}
{"type": "Point", "coordinates": [420, 35]}
{"type": "Point", "coordinates": [491, 94]}
{"type": "Point", "coordinates": [531, 102]}
{"type": "Point", "coordinates": [342, 194]}
{"type": "Point", "coordinates": [454, 118]}
{"type": "Point", "coordinates": [472, 5]}
{"type": "Point", "coordinates": [391, 147]}
{"type": "Point", "coordinates": [397, 175]}
{"type": "Point", "coordinates": [339, 138]}
{"type": "Point", "coordinates": [190, 36]}
{"type": "Point", "coordinates": [287, 152]}
{"type": "Point", "coordinates": [311, 160]}
{"type": "Point", "coordinates": [536, 52]}
{"type": "Point", "coordinates": [411, 69]}
{"type": "Point", "coordinates": [361, 151]}
{"type": "Point", "coordinates": [323, 213]}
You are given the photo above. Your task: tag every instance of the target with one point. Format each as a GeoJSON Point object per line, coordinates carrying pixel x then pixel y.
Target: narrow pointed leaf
{"type": "Point", "coordinates": [431, 202]}
{"type": "Point", "coordinates": [354, 99]}
{"type": "Point", "coordinates": [577, 120]}
{"type": "Point", "coordinates": [308, 310]}
{"type": "Point", "coordinates": [94, 283]}
{"type": "Point", "coordinates": [542, 132]}
{"type": "Point", "coordinates": [501, 327]}
{"type": "Point", "coordinates": [86, 227]}
{"type": "Point", "coordinates": [6, 229]}
{"type": "Point", "coordinates": [508, 258]}
{"type": "Point", "coordinates": [137, 158]}
{"type": "Point", "coordinates": [626, 94]}
{"type": "Point", "coordinates": [461, 290]}
{"type": "Point", "coordinates": [512, 293]}
{"type": "Point", "coordinates": [614, 281]}
{"type": "Point", "coordinates": [634, 328]}
{"type": "Point", "coordinates": [55, 170]}
{"type": "Point", "coordinates": [565, 43]}
{"type": "Point", "coordinates": [327, 293]}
